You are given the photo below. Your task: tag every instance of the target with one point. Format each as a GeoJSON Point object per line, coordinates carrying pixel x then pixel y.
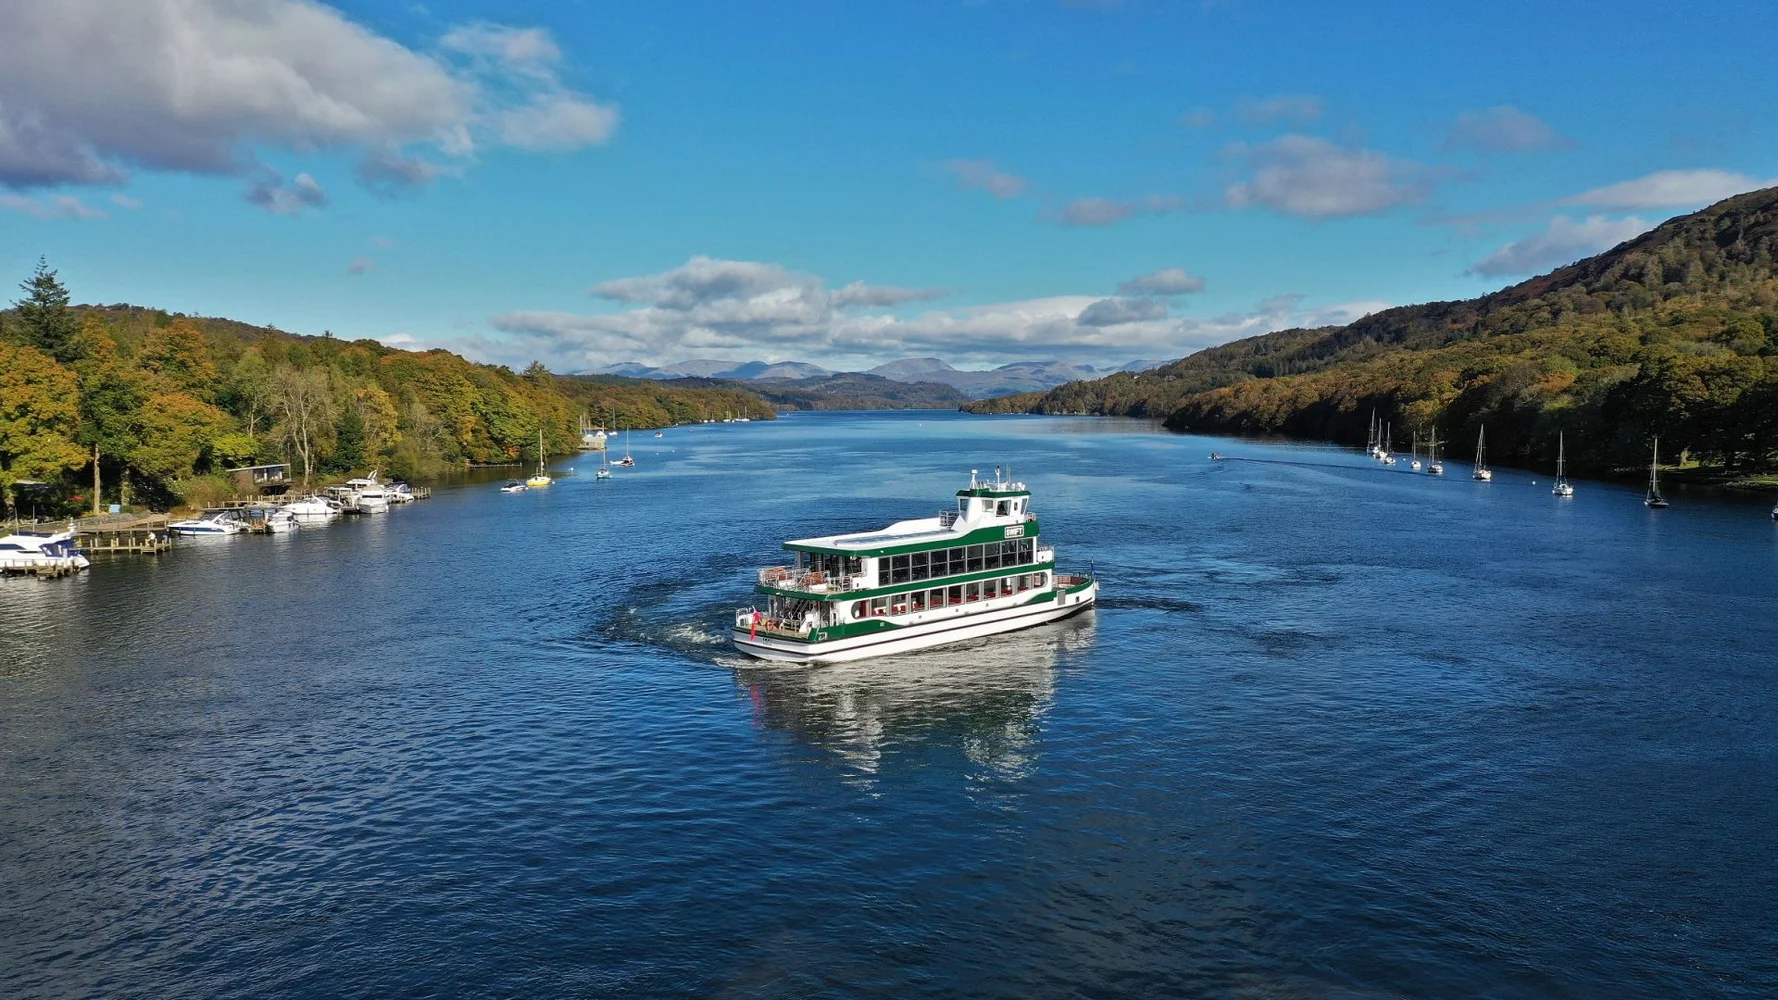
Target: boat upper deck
{"type": "Point", "coordinates": [999, 509]}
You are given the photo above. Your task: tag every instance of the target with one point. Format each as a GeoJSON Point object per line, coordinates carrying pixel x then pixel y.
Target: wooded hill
{"type": "Point", "coordinates": [161, 403]}
{"type": "Point", "coordinates": [1672, 333]}
{"type": "Point", "coordinates": [842, 391]}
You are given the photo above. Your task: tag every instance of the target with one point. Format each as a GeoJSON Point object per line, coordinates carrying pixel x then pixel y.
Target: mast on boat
{"type": "Point", "coordinates": [1481, 473]}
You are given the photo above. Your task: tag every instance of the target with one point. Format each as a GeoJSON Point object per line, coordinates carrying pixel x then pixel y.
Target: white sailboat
{"type": "Point", "coordinates": [1388, 439]}
{"type": "Point", "coordinates": [1415, 464]}
{"type": "Point", "coordinates": [1653, 499]}
{"type": "Point", "coordinates": [1481, 473]}
{"type": "Point", "coordinates": [542, 478]}
{"type": "Point", "coordinates": [604, 467]}
{"type": "Point", "coordinates": [1434, 467]}
{"type": "Point", "coordinates": [626, 462]}
{"type": "Point", "coordinates": [1561, 489]}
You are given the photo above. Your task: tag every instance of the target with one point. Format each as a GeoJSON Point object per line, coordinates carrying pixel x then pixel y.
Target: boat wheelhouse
{"type": "Point", "coordinates": [974, 570]}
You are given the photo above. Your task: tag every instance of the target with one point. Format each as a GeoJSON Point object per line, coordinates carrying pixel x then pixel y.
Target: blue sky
{"type": "Point", "coordinates": [850, 183]}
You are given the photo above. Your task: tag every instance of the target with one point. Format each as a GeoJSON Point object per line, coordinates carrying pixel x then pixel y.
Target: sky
{"type": "Point", "coordinates": [983, 181]}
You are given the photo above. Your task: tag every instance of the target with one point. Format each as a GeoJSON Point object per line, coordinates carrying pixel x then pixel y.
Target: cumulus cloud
{"type": "Point", "coordinates": [1671, 189]}
{"type": "Point", "coordinates": [1166, 281]}
{"type": "Point", "coordinates": [269, 192]}
{"type": "Point", "coordinates": [1314, 178]}
{"type": "Point", "coordinates": [1503, 129]}
{"type": "Point", "coordinates": [90, 90]}
{"type": "Point", "coordinates": [985, 175]}
{"type": "Point", "coordinates": [1280, 107]}
{"type": "Point", "coordinates": [1563, 242]}
{"type": "Point", "coordinates": [740, 310]}
{"type": "Point", "coordinates": [61, 206]}
{"type": "Point", "coordinates": [1106, 211]}
{"type": "Point", "coordinates": [1116, 312]}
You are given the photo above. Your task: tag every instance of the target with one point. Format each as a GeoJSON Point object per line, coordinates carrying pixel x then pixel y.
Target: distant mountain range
{"type": "Point", "coordinates": [1020, 376]}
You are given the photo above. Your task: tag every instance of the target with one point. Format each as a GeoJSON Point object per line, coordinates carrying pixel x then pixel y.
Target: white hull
{"type": "Point", "coordinates": [912, 637]}
{"type": "Point", "coordinates": [372, 505]}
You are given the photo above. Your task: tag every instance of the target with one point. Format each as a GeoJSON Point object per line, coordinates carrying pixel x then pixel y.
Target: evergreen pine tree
{"type": "Point", "coordinates": [48, 324]}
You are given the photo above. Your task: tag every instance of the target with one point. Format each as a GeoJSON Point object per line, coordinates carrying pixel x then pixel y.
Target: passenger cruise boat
{"type": "Point", "coordinates": [970, 572]}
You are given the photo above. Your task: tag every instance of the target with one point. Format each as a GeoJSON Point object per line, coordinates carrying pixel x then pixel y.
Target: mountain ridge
{"type": "Point", "coordinates": [1673, 332]}
{"type": "Point", "coordinates": [1017, 376]}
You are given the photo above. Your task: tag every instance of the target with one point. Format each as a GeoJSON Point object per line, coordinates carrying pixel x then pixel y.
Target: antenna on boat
{"type": "Point", "coordinates": [972, 479]}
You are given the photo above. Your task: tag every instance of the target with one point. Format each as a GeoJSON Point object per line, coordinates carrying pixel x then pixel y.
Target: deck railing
{"type": "Point", "coordinates": [808, 581]}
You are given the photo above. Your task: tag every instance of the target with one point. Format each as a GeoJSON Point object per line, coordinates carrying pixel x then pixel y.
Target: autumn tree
{"type": "Point", "coordinates": [39, 417]}
{"type": "Point", "coordinates": [179, 360]}
{"type": "Point", "coordinates": [110, 401]}
{"type": "Point", "coordinates": [305, 403]}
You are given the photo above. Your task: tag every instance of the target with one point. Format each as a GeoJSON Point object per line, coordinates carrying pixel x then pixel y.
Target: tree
{"type": "Point", "coordinates": [47, 322]}
{"type": "Point", "coordinates": [180, 435]}
{"type": "Point", "coordinates": [39, 416]}
{"type": "Point", "coordinates": [177, 355]}
{"type": "Point", "coordinates": [304, 399]}
{"type": "Point", "coordinates": [110, 400]}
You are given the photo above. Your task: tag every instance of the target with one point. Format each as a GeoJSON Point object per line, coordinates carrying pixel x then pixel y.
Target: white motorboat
{"type": "Point", "coordinates": [278, 520]}
{"type": "Point", "coordinates": [312, 510]}
{"type": "Point", "coordinates": [368, 495]}
{"type": "Point", "coordinates": [217, 522]}
{"type": "Point", "coordinates": [32, 550]}
{"type": "Point", "coordinates": [399, 493]}
{"type": "Point", "coordinates": [514, 486]}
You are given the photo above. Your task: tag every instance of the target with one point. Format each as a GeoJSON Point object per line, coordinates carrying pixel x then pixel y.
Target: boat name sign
{"type": "Point", "coordinates": [1015, 531]}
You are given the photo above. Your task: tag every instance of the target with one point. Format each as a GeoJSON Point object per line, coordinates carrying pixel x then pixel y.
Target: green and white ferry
{"type": "Point", "coordinates": [973, 571]}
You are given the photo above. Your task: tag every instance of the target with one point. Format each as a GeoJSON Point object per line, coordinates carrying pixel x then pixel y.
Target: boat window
{"type": "Point", "coordinates": [954, 596]}
{"type": "Point", "coordinates": [1039, 580]}
{"type": "Point", "coordinates": [917, 600]}
{"type": "Point", "coordinates": [879, 606]}
{"type": "Point", "coordinates": [972, 592]}
{"type": "Point", "coordinates": [921, 566]}
{"type": "Point", "coordinates": [1002, 508]}
{"type": "Point", "coordinates": [858, 609]}
{"type": "Point", "coordinates": [975, 559]}
{"type": "Point", "coordinates": [955, 559]}
{"type": "Point", "coordinates": [1027, 549]}
{"type": "Point", "coordinates": [898, 569]}
{"type": "Point", "coordinates": [991, 556]}
{"type": "Point", "coordinates": [854, 565]}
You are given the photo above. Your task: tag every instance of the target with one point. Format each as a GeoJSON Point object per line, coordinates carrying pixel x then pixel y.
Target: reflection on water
{"type": "Point", "coordinates": [987, 696]}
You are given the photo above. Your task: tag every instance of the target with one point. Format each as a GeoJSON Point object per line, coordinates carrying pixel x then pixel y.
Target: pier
{"type": "Point", "coordinates": [124, 534]}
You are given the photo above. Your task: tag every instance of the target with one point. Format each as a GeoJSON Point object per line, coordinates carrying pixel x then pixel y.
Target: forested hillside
{"type": "Point", "coordinates": [160, 403]}
{"type": "Point", "coordinates": [1673, 333]}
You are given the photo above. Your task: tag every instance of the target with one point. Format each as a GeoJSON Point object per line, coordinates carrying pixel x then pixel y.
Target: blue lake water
{"type": "Point", "coordinates": [1335, 731]}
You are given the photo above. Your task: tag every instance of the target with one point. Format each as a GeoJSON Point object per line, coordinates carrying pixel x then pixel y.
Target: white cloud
{"type": "Point", "coordinates": [743, 310]}
{"type": "Point", "coordinates": [269, 192]}
{"type": "Point", "coordinates": [1671, 189]}
{"type": "Point", "coordinates": [1166, 281]}
{"type": "Point", "coordinates": [1280, 107]}
{"type": "Point", "coordinates": [1198, 118]}
{"type": "Point", "coordinates": [359, 265]}
{"type": "Point", "coordinates": [985, 175]}
{"type": "Point", "coordinates": [1503, 129]}
{"type": "Point", "coordinates": [1106, 211]}
{"type": "Point", "coordinates": [1306, 176]}
{"type": "Point", "coordinates": [61, 206]}
{"type": "Point", "coordinates": [1563, 242]}
{"type": "Point", "coordinates": [92, 89]}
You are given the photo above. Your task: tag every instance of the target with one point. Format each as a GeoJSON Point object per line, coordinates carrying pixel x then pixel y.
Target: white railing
{"type": "Point", "coordinates": [744, 618]}
{"type": "Point", "coordinates": [808, 581]}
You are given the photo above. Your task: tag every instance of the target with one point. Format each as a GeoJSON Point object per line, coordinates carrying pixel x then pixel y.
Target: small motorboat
{"type": "Point", "coordinates": [312, 509]}
{"type": "Point", "coordinates": [399, 493]}
{"type": "Point", "coordinates": [1216, 456]}
{"type": "Point", "coordinates": [1775, 512]}
{"type": "Point", "coordinates": [514, 486]}
{"type": "Point", "coordinates": [220, 522]}
{"type": "Point", "coordinates": [657, 433]}
{"type": "Point", "coordinates": [27, 550]}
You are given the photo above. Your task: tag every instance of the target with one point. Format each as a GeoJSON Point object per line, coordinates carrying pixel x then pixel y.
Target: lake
{"type": "Point", "coordinates": [1335, 730]}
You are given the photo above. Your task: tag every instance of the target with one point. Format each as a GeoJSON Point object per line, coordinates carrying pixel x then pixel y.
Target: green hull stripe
{"type": "Point", "coordinates": [872, 626]}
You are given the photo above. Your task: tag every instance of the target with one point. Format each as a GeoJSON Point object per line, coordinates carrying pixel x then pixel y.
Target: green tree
{"type": "Point", "coordinates": [110, 402]}
{"type": "Point", "coordinates": [43, 314]}
{"type": "Point", "coordinates": [180, 360]}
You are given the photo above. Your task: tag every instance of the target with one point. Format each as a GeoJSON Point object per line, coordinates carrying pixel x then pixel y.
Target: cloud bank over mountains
{"type": "Point", "coordinates": [741, 309]}
{"type": "Point", "coordinates": [91, 90]}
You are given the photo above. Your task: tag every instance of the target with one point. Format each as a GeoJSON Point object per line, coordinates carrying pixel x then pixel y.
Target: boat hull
{"type": "Point", "coordinates": [909, 638]}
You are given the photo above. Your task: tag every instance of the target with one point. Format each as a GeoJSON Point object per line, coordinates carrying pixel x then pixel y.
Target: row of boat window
{"type": "Point", "coordinates": [944, 597]}
{"type": "Point", "coordinates": [917, 566]}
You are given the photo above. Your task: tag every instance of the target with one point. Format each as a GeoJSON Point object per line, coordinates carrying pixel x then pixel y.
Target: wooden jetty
{"type": "Point", "coordinates": [42, 571]}
{"type": "Point", "coordinates": [124, 533]}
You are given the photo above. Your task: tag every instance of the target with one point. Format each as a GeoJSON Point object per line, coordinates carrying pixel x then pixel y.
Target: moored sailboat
{"type": "Point", "coordinates": [1561, 489]}
{"type": "Point", "coordinates": [541, 478]}
{"type": "Point", "coordinates": [1434, 467]}
{"type": "Point", "coordinates": [1653, 499]}
{"type": "Point", "coordinates": [1481, 473]}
